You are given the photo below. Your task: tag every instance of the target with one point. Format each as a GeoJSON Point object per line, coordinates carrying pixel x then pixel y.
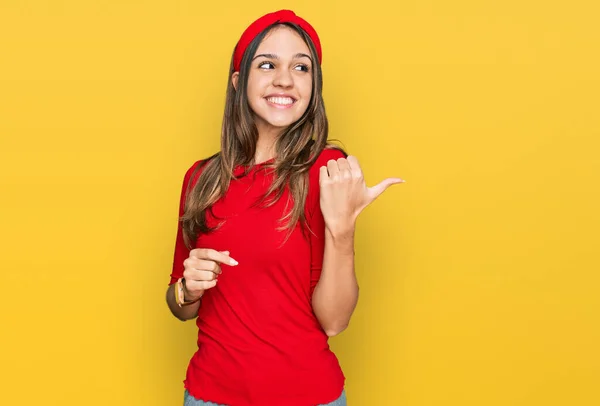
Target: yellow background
{"type": "Point", "coordinates": [479, 276]}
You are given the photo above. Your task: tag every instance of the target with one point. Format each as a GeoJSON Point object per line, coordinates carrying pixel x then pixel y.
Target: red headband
{"type": "Point", "coordinates": [281, 16]}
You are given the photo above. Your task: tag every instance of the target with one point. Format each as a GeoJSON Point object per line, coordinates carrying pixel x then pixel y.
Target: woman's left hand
{"type": "Point", "coordinates": [344, 193]}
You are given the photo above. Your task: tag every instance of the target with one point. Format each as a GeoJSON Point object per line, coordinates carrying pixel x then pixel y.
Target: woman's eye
{"type": "Point", "coordinates": [270, 65]}
{"type": "Point", "coordinates": [266, 65]}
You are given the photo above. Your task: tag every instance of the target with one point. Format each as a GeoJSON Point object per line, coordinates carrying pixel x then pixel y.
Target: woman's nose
{"type": "Point", "coordinates": [283, 78]}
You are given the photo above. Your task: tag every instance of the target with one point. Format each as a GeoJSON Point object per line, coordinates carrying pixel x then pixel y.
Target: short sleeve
{"type": "Point", "coordinates": [315, 216]}
{"type": "Point", "coordinates": [181, 251]}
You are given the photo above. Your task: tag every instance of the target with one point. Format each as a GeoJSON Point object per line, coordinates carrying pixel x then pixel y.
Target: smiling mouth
{"type": "Point", "coordinates": [282, 102]}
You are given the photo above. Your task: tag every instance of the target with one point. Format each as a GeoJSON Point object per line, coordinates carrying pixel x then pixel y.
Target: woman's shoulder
{"type": "Point", "coordinates": [199, 164]}
{"type": "Point", "coordinates": [197, 167]}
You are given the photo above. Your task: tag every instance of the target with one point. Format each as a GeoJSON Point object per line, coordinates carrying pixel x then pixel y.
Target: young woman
{"type": "Point", "coordinates": [264, 255]}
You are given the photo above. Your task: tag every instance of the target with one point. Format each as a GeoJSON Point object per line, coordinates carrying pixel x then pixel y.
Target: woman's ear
{"type": "Point", "coordinates": [234, 79]}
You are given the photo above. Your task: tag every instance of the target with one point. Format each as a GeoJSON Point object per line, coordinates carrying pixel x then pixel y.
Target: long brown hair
{"type": "Point", "coordinates": [296, 149]}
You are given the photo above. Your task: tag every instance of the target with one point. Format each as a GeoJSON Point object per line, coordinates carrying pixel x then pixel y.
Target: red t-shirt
{"type": "Point", "coordinates": [259, 341]}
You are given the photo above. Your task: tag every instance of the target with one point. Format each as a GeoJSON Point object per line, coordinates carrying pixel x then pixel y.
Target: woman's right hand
{"type": "Point", "coordinates": [202, 269]}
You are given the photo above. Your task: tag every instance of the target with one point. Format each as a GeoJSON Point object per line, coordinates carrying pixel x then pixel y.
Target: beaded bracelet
{"type": "Point", "coordinates": [180, 296]}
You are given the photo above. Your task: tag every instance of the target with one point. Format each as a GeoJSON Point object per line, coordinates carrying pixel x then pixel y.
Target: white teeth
{"type": "Point", "coordinates": [281, 100]}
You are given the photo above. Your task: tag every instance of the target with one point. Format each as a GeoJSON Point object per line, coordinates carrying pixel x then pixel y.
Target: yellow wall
{"type": "Point", "coordinates": [479, 276]}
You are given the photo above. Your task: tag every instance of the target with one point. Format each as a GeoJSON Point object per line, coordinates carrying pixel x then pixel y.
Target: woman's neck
{"type": "Point", "coordinates": [265, 147]}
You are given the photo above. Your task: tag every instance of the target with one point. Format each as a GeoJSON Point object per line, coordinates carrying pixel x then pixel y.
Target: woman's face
{"type": "Point", "coordinates": [280, 80]}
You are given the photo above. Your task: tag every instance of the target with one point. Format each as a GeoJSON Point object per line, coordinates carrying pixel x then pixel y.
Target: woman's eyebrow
{"type": "Point", "coordinates": [274, 56]}
{"type": "Point", "coordinates": [270, 56]}
{"type": "Point", "coordinates": [301, 55]}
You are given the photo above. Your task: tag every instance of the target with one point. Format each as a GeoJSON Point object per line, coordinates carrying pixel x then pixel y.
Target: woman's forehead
{"type": "Point", "coordinates": [282, 41]}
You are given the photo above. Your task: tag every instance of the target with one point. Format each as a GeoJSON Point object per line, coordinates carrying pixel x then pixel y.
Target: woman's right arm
{"type": "Point", "coordinates": [200, 267]}
{"type": "Point", "coordinates": [180, 256]}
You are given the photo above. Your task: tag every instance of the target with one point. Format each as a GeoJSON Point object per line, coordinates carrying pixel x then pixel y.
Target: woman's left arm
{"type": "Point", "coordinates": [343, 196]}
{"type": "Point", "coordinates": [336, 293]}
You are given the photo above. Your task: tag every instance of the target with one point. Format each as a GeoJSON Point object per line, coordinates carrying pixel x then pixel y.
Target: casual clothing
{"type": "Point", "coordinates": [259, 341]}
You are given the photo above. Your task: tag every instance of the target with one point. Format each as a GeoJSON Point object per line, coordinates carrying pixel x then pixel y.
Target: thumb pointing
{"type": "Point", "coordinates": [378, 189]}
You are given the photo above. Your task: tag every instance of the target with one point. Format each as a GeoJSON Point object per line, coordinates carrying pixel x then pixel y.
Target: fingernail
{"type": "Point", "coordinates": [233, 262]}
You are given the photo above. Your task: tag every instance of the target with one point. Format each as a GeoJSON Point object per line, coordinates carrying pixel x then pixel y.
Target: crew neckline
{"type": "Point", "coordinates": [265, 162]}
{"type": "Point", "coordinates": [240, 169]}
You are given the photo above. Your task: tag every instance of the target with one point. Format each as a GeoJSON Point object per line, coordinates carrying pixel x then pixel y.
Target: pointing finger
{"type": "Point", "coordinates": [213, 255]}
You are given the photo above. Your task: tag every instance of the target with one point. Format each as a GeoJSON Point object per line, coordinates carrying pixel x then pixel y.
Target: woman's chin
{"type": "Point", "coordinates": [279, 123]}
